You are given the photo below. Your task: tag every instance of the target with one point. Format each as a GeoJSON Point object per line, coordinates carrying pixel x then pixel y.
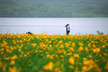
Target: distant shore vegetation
{"type": "Point", "coordinates": [54, 8]}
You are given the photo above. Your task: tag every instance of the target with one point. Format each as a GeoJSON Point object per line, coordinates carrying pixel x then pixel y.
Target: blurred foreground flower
{"type": "Point", "coordinates": [12, 62]}
{"type": "Point", "coordinates": [34, 44]}
{"type": "Point", "coordinates": [49, 66]}
{"type": "Point", "coordinates": [71, 60]}
{"type": "Point", "coordinates": [13, 69]}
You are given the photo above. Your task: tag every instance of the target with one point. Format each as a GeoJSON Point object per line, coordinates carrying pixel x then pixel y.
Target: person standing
{"type": "Point", "coordinates": [67, 29]}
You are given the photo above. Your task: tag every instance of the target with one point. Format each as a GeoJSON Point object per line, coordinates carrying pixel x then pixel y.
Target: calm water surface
{"type": "Point", "coordinates": [54, 25]}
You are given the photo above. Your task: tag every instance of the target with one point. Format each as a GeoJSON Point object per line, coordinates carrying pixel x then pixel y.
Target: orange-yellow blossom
{"type": "Point", "coordinates": [49, 66]}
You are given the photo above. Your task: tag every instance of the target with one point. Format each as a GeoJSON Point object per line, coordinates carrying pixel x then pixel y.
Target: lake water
{"type": "Point", "coordinates": [54, 25]}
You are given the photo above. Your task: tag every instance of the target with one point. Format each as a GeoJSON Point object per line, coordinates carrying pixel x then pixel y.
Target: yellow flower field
{"type": "Point", "coordinates": [53, 53]}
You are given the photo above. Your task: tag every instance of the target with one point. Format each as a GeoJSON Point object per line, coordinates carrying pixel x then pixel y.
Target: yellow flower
{"type": "Point", "coordinates": [50, 45]}
{"type": "Point", "coordinates": [14, 42]}
{"type": "Point", "coordinates": [67, 45]}
{"type": "Point", "coordinates": [60, 51]}
{"type": "Point", "coordinates": [14, 57]}
{"type": "Point", "coordinates": [71, 60]}
{"type": "Point", "coordinates": [105, 54]}
{"type": "Point", "coordinates": [94, 45]}
{"type": "Point", "coordinates": [70, 53]}
{"type": "Point", "coordinates": [4, 43]}
{"type": "Point", "coordinates": [84, 59]}
{"type": "Point", "coordinates": [80, 49]}
{"type": "Point", "coordinates": [19, 50]}
{"type": "Point", "coordinates": [34, 44]}
{"type": "Point", "coordinates": [11, 47]}
{"type": "Point", "coordinates": [72, 49]}
{"type": "Point", "coordinates": [25, 55]}
{"type": "Point", "coordinates": [42, 45]}
{"type": "Point", "coordinates": [60, 42]}
{"type": "Point", "coordinates": [41, 51]}
{"type": "Point", "coordinates": [2, 49]}
{"type": "Point", "coordinates": [92, 41]}
{"type": "Point", "coordinates": [51, 57]}
{"type": "Point", "coordinates": [20, 46]}
{"type": "Point", "coordinates": [73, 44]}
{"type": "Point", "coordinates": [88, 62]}
{"type": "Point", "coordinates": [21, 41]}
{"type": "Point", "coordinates": [12, 62]}
{"type": "Point", "coordinates": [86, 49]}
{"type": "Point", "coordinates": [81, 44]}
{"type": "Point", "coordinates": [49, 66]}
{"type": "Point", "coordinates": [103, 46]}
{"type": "Point", "coordinates": [96, 50]}
{"type": "Point", "coordinates": [76, 55]}
{"type": "Point", "coordinates": [89, 45]}
{"type": "Point", "coordinates": [85, 69]}
{"type": "Point", "coordinates": [90, 56]}
{"type": "Point", "coordinates": [48, 56]}
{"type": "Point", "coordinates": [61, 56]}
{"type": "Point", "coordinates": [61, 46]}
{"type": "Point", "coordinates": [13, 69]}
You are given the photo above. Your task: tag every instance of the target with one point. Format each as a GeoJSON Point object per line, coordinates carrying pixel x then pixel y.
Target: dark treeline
{"type": "Point", "coordinates": [53, 8]}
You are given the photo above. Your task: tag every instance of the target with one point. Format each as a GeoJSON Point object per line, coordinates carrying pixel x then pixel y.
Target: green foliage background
{"type": "Point", "coordinates": [53, 8]}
